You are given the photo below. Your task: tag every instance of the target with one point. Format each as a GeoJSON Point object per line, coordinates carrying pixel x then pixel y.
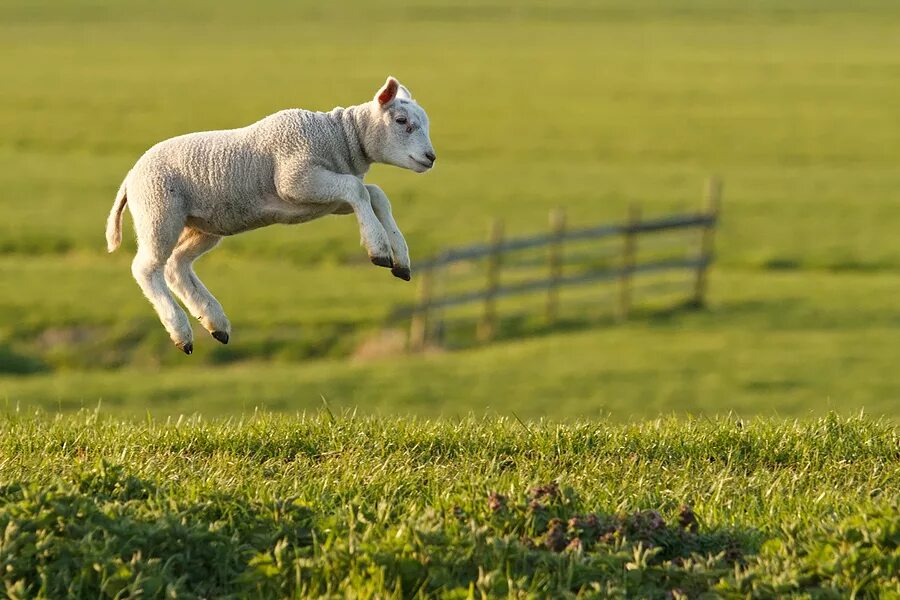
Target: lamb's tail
{"type": "Point", "coordinates": [114, 223]}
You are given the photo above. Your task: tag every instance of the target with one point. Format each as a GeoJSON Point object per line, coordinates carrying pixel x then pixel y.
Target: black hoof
{"type": "Point", "coordinates": [401, 272]}
{"type": "Point", "coordinates": [187, 348]}
{"type": "Point", "coordinates": [382, 261]}
{"type": "Point", "coordinates": [220, 336]}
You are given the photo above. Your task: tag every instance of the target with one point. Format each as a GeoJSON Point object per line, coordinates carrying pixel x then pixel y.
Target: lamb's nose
{"type": "Point", "coordinates": [430, 156]}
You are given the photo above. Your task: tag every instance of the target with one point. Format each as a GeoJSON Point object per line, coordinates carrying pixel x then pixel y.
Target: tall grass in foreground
{"type": "Point", "coordinates": [277, 506]}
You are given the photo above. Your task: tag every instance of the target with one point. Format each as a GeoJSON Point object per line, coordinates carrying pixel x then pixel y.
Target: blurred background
{"type": "Point", "coordinates": [590, 106]}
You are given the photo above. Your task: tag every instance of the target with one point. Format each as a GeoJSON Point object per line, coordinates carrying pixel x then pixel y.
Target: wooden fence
{"type": "Point", "coordinates": [496, 251]}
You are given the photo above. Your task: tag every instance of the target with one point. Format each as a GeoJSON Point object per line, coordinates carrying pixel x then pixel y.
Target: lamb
{"type": "Point", "coordinates": [188, 192]}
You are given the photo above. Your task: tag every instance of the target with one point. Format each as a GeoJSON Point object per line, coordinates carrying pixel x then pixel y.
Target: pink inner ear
{"type": "Point", "coordinates": [389, 92]}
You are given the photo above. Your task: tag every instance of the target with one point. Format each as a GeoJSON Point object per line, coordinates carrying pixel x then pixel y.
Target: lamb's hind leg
{"type": "Point", "coordinates": [156, 240]}
{"type": "Point", "coordinates": [187, 286]}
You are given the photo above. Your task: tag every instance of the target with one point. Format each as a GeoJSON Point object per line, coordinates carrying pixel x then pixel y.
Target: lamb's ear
{"type": "Point", "coordinates": [388, 92]}
{"type": "Point", "coordinates": [404, 93]}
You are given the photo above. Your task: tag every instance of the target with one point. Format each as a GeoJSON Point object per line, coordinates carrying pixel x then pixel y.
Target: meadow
{"type": "Point", "coordinates": [748, 449]}
{"type": "Point", "coordinates": [590, 107]}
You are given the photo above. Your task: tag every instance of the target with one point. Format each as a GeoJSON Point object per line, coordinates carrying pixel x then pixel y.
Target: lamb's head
{"type": "Point", "coordinates": [400, 129]}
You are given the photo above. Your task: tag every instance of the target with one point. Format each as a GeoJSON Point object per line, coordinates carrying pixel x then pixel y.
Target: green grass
{"type": "Point", "coordinates": [533, 106]}
{"type": "Point", "coordinates": [541, 472]}
{"type": "Point", "coordinates": [276, 506]}
{"type": "Point", "coordinates": [829, 346]}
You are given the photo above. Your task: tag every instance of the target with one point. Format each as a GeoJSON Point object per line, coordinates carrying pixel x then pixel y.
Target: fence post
{"type": "Point", "coordinates": [436, 328]}
{"type": "Point", "coordinates": [487, 328]}
{"type": "Point", "coordinates": [707, 239]}
{"type": "Point", "coordinates": [418, 326]}
{"type": "Point", "coordinates": [555, 261]}
{"type": "Point", "coordinates": [629, 252]}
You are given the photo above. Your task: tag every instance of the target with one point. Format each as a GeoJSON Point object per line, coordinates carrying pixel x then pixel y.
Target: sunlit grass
{"type": "Point", "coordinates": [336, 504]}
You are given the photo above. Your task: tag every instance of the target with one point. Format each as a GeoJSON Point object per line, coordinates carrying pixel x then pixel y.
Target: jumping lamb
{"type": "Point", "coordinates": [294, 166]}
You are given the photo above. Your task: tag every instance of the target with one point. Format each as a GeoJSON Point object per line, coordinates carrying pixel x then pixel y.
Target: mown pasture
{"type": "Point", "coordinates": [587, 106]}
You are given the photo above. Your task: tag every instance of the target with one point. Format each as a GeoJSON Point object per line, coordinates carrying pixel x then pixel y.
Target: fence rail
{"type": "Point", "coordinates": [495, 252]}
{"type": "Point", "coordinates": [474, 251]}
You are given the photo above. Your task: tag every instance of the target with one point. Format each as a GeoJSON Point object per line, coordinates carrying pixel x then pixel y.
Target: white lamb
{"type": "Point", "coordinates": [291, 167]}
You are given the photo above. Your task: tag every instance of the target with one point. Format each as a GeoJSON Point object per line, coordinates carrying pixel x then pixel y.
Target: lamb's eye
{"type": "Point", "coordinates": [401, 120]}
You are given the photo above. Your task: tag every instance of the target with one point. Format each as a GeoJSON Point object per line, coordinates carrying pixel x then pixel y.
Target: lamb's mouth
{"type": "Point", "coordinates": [424, 165]}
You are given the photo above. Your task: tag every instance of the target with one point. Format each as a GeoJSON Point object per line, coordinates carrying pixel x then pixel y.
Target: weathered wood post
{"type": "Point", "coordinates": [555, 261]}
{"type": "Point", "coordinates": [487, 328]}
{"type": "Point", "coordinates": [436, 329]}
{"type": "Point", "coordinates": [418, 326]}
{"type": "Point", "coordinates": [629, 253]}
{"type": "Point", "coordinates": [707, 240]}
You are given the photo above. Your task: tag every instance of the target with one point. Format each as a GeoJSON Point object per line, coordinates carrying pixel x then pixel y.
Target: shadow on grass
{"type": "Point", "coordinates": [461, 332]}
{"type": "Point", "coordinates": [18, 363]}
{"type": "Point", "coordinates": [112, 534]}
{"type": "Point", "coordinates": [140, 342]}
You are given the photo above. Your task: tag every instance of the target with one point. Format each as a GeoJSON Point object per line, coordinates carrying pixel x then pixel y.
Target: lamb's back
{"type": "Point", "coordinates": [209, 163]}
{"type": "Point", "coordinates": [235, 163]}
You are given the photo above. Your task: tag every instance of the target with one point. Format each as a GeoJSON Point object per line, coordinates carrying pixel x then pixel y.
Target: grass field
{"type": "Point", "coordinates": [337, 506]}
{"type": "Point", "coordinates": [533, 106]}
{"type": "Point", "coordinates": [746, 450]}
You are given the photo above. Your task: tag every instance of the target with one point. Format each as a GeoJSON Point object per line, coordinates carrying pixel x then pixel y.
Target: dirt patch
{"type": "Point", "coordinates": [65, 336]}
{"type": "Point", "coordinates": [382, 344]}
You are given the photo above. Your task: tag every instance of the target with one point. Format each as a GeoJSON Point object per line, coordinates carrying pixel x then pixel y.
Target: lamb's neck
{"type": "Point", "coordinates": [355, 122]}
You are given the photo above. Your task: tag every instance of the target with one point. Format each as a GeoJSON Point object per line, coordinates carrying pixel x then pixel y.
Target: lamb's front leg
{"type": "Point", "coordinates": [400, 251]}
{"type": "Point", "coordinates": [350, 191]}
